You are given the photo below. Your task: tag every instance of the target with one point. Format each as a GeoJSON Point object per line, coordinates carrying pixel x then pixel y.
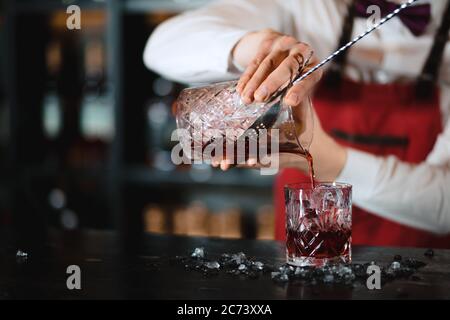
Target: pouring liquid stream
{"type": "Point", "coordinates": [304, 153]}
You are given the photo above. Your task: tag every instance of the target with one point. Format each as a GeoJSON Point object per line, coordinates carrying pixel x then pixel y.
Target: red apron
{"type": "Point", "coordinates": [383, 120]}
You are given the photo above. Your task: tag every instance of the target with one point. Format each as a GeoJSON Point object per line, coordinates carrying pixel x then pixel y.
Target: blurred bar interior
{"type": "Point", "coordinates": [85, 131]}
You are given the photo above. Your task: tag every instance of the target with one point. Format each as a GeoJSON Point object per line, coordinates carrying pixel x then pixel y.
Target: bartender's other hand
{"type": "Point", "coordinates": [276, 59]}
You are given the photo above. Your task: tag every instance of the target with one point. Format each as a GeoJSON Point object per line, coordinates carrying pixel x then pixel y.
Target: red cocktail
{"type": "Point", "coordinates": [318, 224]}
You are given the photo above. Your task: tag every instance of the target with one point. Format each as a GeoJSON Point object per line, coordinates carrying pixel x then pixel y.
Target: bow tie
{"type": "Point", "coordinates": [415, 18]}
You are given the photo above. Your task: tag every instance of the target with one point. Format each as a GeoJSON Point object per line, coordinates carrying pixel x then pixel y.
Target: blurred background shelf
{"type": "Point", "coordinates": [201, 176]}
{"type": "Point", "coordinates": [85, 130]}
{"type": "Point", "coordinates": [130, 6]}
{"type": "Point", "coordinates": [136, 6]}
{"type": "Point", "coordinates": [32, 6]}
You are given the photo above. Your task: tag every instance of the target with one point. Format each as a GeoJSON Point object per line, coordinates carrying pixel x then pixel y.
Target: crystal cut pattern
{"type": "Point", "coordinates": [318, 224]}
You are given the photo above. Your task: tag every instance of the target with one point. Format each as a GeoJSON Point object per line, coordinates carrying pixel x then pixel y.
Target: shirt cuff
{"type": "Point", "coordinates": [222, 53]}
{"type": "Point", "coordinates": [361, 171]}
{"type": "Point", "coordinates": [235, 67]}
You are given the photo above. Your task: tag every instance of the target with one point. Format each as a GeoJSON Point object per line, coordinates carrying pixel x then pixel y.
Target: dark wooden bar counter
{"type": "Point", "coordinates": [108, 274]}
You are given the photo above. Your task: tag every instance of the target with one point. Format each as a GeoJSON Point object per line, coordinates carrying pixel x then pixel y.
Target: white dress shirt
{"type": "Point", "coordinates": [195, 47]}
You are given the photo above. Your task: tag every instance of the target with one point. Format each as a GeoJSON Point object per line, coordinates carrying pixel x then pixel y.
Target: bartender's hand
{"type": "Point", "coordinates": [272, 60]}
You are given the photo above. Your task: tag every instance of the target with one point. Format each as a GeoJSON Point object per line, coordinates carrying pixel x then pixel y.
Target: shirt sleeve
{"type": "Point", "coordinates": [195, 46]}
{"type": "Point", "coordinates": [414, 195]}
